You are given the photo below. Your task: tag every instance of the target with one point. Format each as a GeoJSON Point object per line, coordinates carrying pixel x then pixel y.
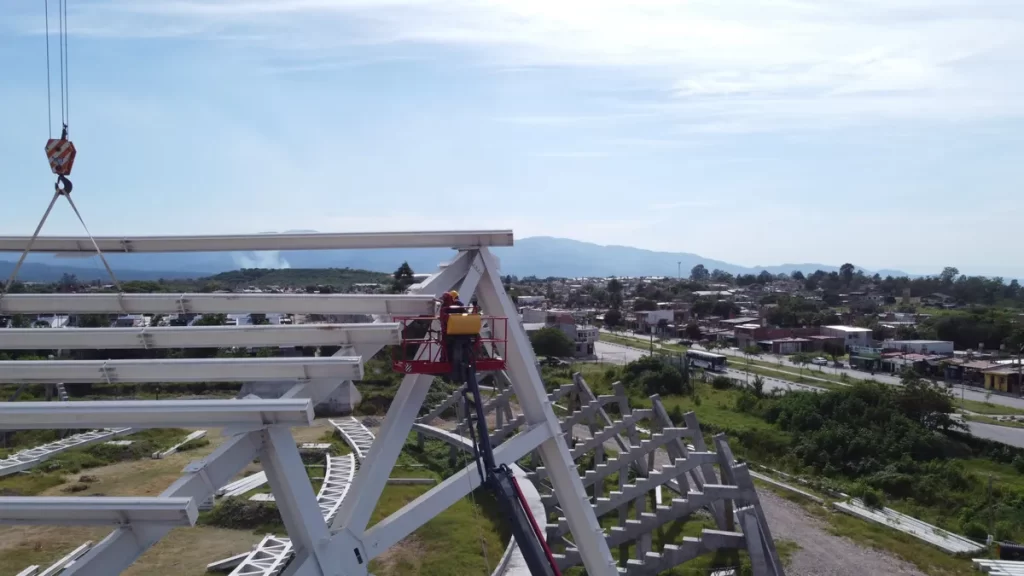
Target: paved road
{"type": "Point", "coordinates": [966, 392]}
{"type": "Point", "coordinates": [618, 354]}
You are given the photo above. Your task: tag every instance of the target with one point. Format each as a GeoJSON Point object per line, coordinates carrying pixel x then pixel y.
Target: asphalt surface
{"type": "Point", "coordinates": [966, 392]}
{"type": "Point", "coordinates": [618, 354]}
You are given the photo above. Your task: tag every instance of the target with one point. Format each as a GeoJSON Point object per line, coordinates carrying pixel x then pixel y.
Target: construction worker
{"type": "Point", "coordinates": [450, 304]}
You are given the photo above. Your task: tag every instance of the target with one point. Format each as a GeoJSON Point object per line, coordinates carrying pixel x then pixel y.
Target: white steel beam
{"type": "Point", "coordinates": [202, 478]}
{"type": "Point", "coordinates": [256, 242]}
{"type": "Point", "coordinates": [394, 528]}
{"type": "Point", "coordinates": [533, 400]}
{"type": "Point", "coordinates": [244, 303]}
{"type": "Point", "coordinates": [198, 336]}
{"type": "Point", "coordinates": [181, 370]}
{"type": "Point", "coordinates": [155, 414]}
{"type": "Point", "coordinates": [94, 510]}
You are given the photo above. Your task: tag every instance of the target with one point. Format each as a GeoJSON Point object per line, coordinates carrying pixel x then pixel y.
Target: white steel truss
{"type": "Point", "coordinates": [258, 242]}
{"type": "Point", "coordinates": [25, 459]}
{"type": "Point", "coordinates": [247, 303]}
{"type": "Point", "coordinates": [268, 559]}
{"type": "Point", "coordinates": [355, 434]}
{"type": "Point", "coordinates": [154, 414]}
{"type": "Point", "coordinates": [259, 430]}
{"type": "Point", "coordinates": [383, 334]}
{"type": "Point", "coordinates": [92, 510]}
{"type": "Point", "coordinates": [182, 370]}
{"type": "Point", "coordinates": [270, 555]}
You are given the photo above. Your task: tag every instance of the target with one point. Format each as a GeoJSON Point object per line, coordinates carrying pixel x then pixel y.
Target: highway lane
{"type": "Point", "coordinates": [618, 354]}
{"type": "Point", "coordinates": [966, 392]}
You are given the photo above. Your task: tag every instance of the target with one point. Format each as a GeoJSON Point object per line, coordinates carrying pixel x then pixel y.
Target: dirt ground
{"type": "Point", "coordinates": [184, 551]}
{"type": "Point", "coordinates": [822, 553]}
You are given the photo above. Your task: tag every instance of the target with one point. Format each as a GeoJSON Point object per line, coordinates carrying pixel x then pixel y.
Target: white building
{"type": "Point", "coordinates": [943, 347]}
{"type": "Point", "coordinates": [851, 335]}
{"type": "Point", "coordinates": [648, 320]}
{"type": "Point", "coordinates": [529, 301]}
{"type": "Point", "coordinates": [586, 336]}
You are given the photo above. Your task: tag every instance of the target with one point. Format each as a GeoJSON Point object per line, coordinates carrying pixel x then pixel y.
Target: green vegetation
{"type": "Point", "coordinates": [52, 472]}
{"type": "Point", "coordinates": [552, 342]}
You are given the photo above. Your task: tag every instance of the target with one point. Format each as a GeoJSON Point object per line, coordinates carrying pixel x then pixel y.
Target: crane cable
{"type": "Point", "coordinates": [61, 153]}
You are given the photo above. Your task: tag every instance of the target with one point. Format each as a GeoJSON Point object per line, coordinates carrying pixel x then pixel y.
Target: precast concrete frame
{"type": "Point", "coordinates": [346, 546]}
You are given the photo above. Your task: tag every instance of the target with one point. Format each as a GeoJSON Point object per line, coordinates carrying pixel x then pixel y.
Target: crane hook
{"type": "Point", "coordinates": [63, 185]}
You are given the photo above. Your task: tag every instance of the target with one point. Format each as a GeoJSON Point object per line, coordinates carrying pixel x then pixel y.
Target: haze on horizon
{"type": "Point", "coordinates": [762, 132]}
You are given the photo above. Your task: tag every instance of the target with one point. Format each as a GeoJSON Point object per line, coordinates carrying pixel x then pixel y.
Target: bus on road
{"type": "Point", "coordinates": [706, 360]}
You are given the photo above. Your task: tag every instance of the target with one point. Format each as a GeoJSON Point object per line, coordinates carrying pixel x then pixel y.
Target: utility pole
{"type": "Point", "coordinates": [1020, 384]}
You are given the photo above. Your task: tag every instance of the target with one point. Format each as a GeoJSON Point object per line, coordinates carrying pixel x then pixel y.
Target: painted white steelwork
{"type": "Point", "coordinates": [198, 434]}
{"type": "Point", "coordinates": [198, 336]}
{"type": "Point", "coordinates": [30, 457]}
{"type": "Point", "coordinates": [943, 539]}
{"type": "Point", "coordinates": [257, 242]}
{"type": "Point", "coordinates": [243, 485]}
{"type": "Point", "coordinates": [92, 510]}
{"type": "Point", "coordinates": [155, 414]}
{"type": "Point", "coordinates": [337, 479]}
{"type": "Point", "coordinates": [242, 303]}
{"type": "Point", "coordinates": [999, 567]}
{"type": "Point", "coordinates": [268, 559]}
{"type": "Point", "coordinates": [270, 555]}
{"type": "Point", "coordinates": [182, 370]}
{"type": "Point", "coordinates": [67, 560]}
{"type": "Point", "coordinates": [348, 545]}
{"type": "Point", "coordinates": [357, 436]}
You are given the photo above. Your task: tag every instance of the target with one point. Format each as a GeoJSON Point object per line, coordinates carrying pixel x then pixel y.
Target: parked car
{"type": "Point", "coordinates": [819, 361]}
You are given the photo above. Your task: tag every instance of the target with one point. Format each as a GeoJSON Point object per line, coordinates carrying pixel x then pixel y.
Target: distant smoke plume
{"type": "Point", "coordinates": [271, 259]}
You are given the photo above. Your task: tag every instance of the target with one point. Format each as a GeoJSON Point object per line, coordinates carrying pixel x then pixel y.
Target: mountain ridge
{"type": "Point", "coordinates": [540, 256]}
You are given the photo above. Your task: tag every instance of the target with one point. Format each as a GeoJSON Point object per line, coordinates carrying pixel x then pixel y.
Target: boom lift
{"type": "Point", "coordinates": [458, 351]}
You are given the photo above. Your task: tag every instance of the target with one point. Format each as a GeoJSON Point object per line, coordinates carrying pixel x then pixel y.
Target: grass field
{"type": "Point", "coordinates": [451, 543]}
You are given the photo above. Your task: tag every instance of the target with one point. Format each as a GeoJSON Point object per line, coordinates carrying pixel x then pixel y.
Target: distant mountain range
{"type": "Point", "coordinates": [540, 256]}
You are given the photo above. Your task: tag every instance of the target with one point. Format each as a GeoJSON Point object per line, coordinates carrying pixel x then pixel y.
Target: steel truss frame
{"type": "Point", "coordinates": [345, 547]}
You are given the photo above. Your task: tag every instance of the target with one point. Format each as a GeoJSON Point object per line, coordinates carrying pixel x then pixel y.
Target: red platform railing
{"type": "Point", "coordinates": [422, 352]}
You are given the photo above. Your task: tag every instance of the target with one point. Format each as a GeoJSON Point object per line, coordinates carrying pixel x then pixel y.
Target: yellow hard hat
{"type": "Point", "coordinates": [454, 294]}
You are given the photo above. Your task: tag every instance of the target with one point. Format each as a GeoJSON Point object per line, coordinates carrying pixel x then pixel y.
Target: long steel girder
{"type": "Point", "coordinates": [198, 337]}
{"type": "Point", "coordinates": [257, 242]}
{"type": "Point", "coordinates": [233, 303]}
{"type": "Point", "coordinates": [317, 551]}
{"type": "Point", "coordinates": [182, 370]}
{"type": "Point", "coordinates": [155, 414]}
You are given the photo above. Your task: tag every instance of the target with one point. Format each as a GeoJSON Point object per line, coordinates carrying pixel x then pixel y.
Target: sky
{"type": "Point", "coordinates": [887, 133]}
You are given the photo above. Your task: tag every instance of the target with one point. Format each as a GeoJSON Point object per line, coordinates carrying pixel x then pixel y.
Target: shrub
{"type": "Point", "coordinates": [1018, 463]}
{"type": "Point", "coordinates": [721, 383]}
{"type": "Point", "coordinates": [872, 498]}
{"type": "Point", "coordinates": [241, 514]}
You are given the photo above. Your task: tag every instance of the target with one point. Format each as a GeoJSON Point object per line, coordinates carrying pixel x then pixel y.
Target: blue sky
{"type": "Point", "coordinates": [888, 133]}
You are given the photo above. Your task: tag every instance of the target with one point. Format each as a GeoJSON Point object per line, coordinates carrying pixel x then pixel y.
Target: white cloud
{"type": "Point", "coordinates": [718, 66]}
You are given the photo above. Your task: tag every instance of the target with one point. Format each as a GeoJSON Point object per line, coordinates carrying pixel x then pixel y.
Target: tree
{"type": "Point", "coordinates": [403, 278]}
{"type": "Point", "coordinates": [721, 276]}
{"type": "Point", "coordinates": [797, 275]}
{"type": "Point", "coordinates": [612, 318]}
{"type": "Point", "coordinates": [846, 272]}
{"type": "Point", "coordinates": [552, 342]}
{"type": "Point", "coordinates": [765, 277]}
{"type": "Point", "coordinates": [615, 286]}
{"type": "Point", "coordinates": [693, 331]}
{"type": "Point", "coordinates": [699, 273]}
{"type": "Point", "coordinates": [949, 273]}
{"type": "Point", "coordinates": [644, 305]}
